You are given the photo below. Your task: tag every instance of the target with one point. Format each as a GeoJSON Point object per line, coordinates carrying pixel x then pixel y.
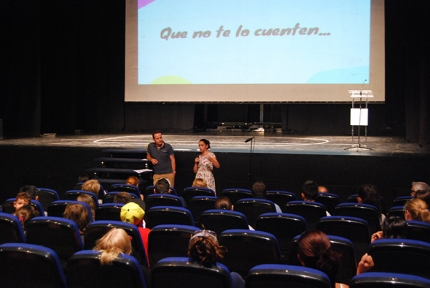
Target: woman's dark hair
{"type": "Point", "coordinates": [205, 250]}
{"type": "Point", "coordinates": [206, 142]}
{"type": "Point", "coordinates": [394, 227]}
{"type": "Point", "coordinates": [369, 194]}
{"type": "Point", "coordinates": [315, 252]}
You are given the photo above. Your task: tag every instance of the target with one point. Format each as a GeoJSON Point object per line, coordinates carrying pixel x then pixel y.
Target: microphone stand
{"type": "Point", "coordinates": [251, 149]}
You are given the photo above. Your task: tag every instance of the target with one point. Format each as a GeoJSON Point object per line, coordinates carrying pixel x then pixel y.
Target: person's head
{"type": "Point", "coordinates": [113, 243]}
{"type": "Point", "coordinates": [199, 182]}
{"type": "Point", "coordinates": [79, 214]}
{"type": "Point", "coordinates": [258, 190]}
{"type": "Point", "coordinates": [322, 189]}
{"type": "Point", "coordinates": [122, 197]}
{"type": "Point", "coordinates": [309, 190]}
{"type": "Point", "coordinates": [30, 189]}
{"type": "Point", "coordinates": [132, 213]}
{"type": "Point", "coordinates": [26, 213]}
{"type": "Point", "coordinates": [158, 138]}
{"type": "Point", "coordinates": [83, 177]}
{"type": "Point", "coordinates": [419, 186]}
{"type": "Point", "coordinates": [204, 249]}
{"type": "Point", "coordinates": [132, 180]}
{"type": "Point", "coordinates": [223, 202]}
{"type": "Point", "coordinates": [91, 186]}
{"type": "Point", "coordinates": [423, 195]}
{"type": "Point", "coordinates": [204, 145]}
{"type": "Point", "coordinates": [21, 199]}
{"type": "Point", "coordinates": [162, 186]}
{"type": "Point", "coordinates": [368, 194]}
{"type": "Point", "coordinates": [417, 209]}
{"type": "Point", "coordinates": [315, 252]}
{"type": "Point", "coordinates": [394, 227]}
{"type": "Point", "coordinates": [90, 201]}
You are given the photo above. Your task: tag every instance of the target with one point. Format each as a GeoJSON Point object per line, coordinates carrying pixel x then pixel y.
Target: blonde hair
{"type": "Point", "coordinates": [133, 180]}
{"type": "Point", "coordinates": [90, 201]}
{"type": "Point", "coordinates": [78, 213]}
{"type": "Point", "coordinates": [418, 210]}
{"type": "Point", "coordinates": [91, 186]}
{"type": "Point", "coordinates": [199, 182]}
{"type": "Point", "coordinates": [112, 244]}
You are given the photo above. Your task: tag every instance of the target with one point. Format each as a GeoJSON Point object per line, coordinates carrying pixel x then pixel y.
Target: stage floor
{"type": "Point", "coordinates": [263, 142]}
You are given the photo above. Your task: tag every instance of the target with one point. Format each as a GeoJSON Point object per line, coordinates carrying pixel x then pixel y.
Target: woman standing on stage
{"type": "Point", "coordinates": [205, 163]}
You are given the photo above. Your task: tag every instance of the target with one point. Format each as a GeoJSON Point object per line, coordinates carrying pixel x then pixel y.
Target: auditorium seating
{"type": "Point", "coordinates": [46, 196]}
{"type": "Point", "coordinates": [109, 196]}
{"type": "Point", "coordinates": [388, 280]}
{"type": "Point", "coordinates": [58, 207]}
{"type": "Point", "coordinates": [199, 204]}
{"type": "Point", "coordinates": [11, 229]}
{"type": "Point", "coordinates": [418, 230]}
{"type": "Point", "coordinates": [74, 194]}
{"type": "Point", "coordinates": [280, 197]}
{"type": "Point", "coordinates": [7, 206]}
{"type": "Point", "coordinates": [109, 211]}
{"type": "Point", "coordinates": [234, 194]}
{"type": "Point", "coordinates": [125, 188]}
{"type": "Point", "coordinates": [329, 200]}
{"type": "Point", "coordinates": [219, 220]}
{"type": "Point", "coordinates": [191, 192]}
{"type": "Point", "coordinates": [163, 200]}
{"type": "Point", "coordinates": [252, 208]}
{"type": "Point", "coordinates": [311, 211]}
{"type": "Point", "coordinates": [364, 211]}
{"type": "Point", "coordinates": [168, 215]}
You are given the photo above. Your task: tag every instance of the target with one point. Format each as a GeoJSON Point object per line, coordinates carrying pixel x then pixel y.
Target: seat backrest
{"type": "Point", "coordinates": [191, 192]}
{"type": "Point", "coordinates": [396, 211]}
{"type": "Point", "coordinates": [340, 245]}
{"type": "Point", "coordinates": [200, 204]}
{"type": "Point", "coordinates": [404, 256]}
{"type": "Point", "coordinates": [11, 229]}
{"type": "Point", "coordinates": [46, 196]}
{"type": "Point", "coordinates": [279, 276]}
{"type": "Point", "coordinates": [125, 188]}
{"type": "Point", "coordinates": [354, 229]}
{"type": "Point", "coordinates": [84, 271]}
{"type": "Point", "coordinates": [109, 211]}
{"type": "Point", "coordinates": [173, 270]}
{"type": "Point", "coordinates": [253, 208]}
{"type": "Point", "coordinates": [311, 211]}
{"type": "Point", "coordinates": [235, 194]}
{"type": "Point", "coordinates": [280, 197]}
{"type": "Point", "coordinates": [329, 200]}
{"type": "Point", "coordinates": [247, 248]}
{"type": "Point", "coordinates": [29, 265]}
{"type": "Point", "coordinates": [57, 208]}
{"type": "Point", "coordinates": [8, 207]}
{"type": "Point", "coordinates": [163, 200]}
{"type": "Point", "coordinates": [219, 220]}
{"type": "Point", "coordinates": [98, 229]}
{"type": "Point", "coordinates": [73, 194]}
{"type": "Point", "coordinates": [418, 230]}
{"type": "Point", "coordinates": [401, 200]}
{"type": "Point", "coordinates": [108, 197]}
{"type": "Point", "coordinates": [169, 241]}
{"type": "Point", "coordinates": [60, 234]}
{"type": "Point", "coordinates": [284, 226]}
{"type": "Point", "coordinates": [150, 190]}
{"type": "Point", "coordinates": [364, 211]}
{"type": "Point", "coordinates": [353, 199]}
{"type": "Point", "coordinates": [168, 215]}
{"type": "Point", "coordinates": [388, 280]}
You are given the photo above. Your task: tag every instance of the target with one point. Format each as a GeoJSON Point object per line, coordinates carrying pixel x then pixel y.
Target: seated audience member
{"type": "Point", "coordinates": [30, 189]}
{"type": "Point", "coordinates": [21, 199]}
{"type": "Point", "coordinates": [90, 201]}
{"type": "Point", "coordinates": [199, 182]}
{"type": "Point", "coordinates": [133, 213]}
{"type": "Point", "coordinates": [419, 186]}
{"type": "Point", "coordinates": [25, 214]}
{"type": "Point", "coordinates": [310, 192]}
{"type": "Point", "coordinates": [423, 195]}
{"type": "Point", "coordinates": [93, 186]}
{"type": "Point", "coordinates": [322, 189]}
{"type": "Point", "coordinates": [224, 203]}
{"type": "Point", "coordinates": [367, 194]}
{"type": "Point", "coordinates": [204, 249]}
{"type": "Point", "coordinates": [79, 214]}
{"type": "Point", "coordinates": [122, 197]}
{"type": "Point", "coordinates": [112, 244]}
{"type": "Point", "coordinates": [315, 252]}
{"type": "Point", "coordinates": [133, 180]}
{"type": "Point", "coordinates": [393, 227]}
{"type": "Point", "coordinates": [417, 209]}
{"type": "Point", "coordinates": [162, 186]}
{"type": "Point", "coordinates": [81, 179]}
{"type": "Point", "coordinates": [258, 190]}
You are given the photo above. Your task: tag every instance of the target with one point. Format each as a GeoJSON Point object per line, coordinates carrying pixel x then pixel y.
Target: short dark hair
{"type": "Point", "coordinates": [310, 190]}
{"type": "Point", "coordinates": [207, 142]}
{"type": "Point", "coordinates": [162, 186]}
{"type": "Point", "coordinates": [259, 189]}
{"type": "Point", "coordinates": [155, 132]}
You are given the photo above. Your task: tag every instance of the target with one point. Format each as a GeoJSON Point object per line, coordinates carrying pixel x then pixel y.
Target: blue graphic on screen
{"type": "Point", "coordinates": [253, 42]}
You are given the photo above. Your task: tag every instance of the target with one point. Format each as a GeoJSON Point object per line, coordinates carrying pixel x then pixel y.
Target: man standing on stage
{"type": "Point", "coordinates": [161, 155]}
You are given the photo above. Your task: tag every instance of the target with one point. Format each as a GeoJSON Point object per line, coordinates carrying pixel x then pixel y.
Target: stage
{"type": "Point", "coordinates": [283, 161]}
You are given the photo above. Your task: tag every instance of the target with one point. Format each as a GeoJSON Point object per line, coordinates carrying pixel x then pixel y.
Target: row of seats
{"type": "Point", "coordinates": [43, 268]}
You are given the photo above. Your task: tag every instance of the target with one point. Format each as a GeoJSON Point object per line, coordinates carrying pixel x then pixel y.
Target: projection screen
{"type": "Point", "coordinates": [249, 51]}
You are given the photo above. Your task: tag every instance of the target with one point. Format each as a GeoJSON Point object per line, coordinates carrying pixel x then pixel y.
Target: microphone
{"type": "Point", "coordinates": [361, 89]}
{"type": "Point", "coordinates": [249, 139]}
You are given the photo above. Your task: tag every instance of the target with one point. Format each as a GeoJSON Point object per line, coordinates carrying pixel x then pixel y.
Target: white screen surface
{"type": "Point", "coordinates": [253, 51]}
